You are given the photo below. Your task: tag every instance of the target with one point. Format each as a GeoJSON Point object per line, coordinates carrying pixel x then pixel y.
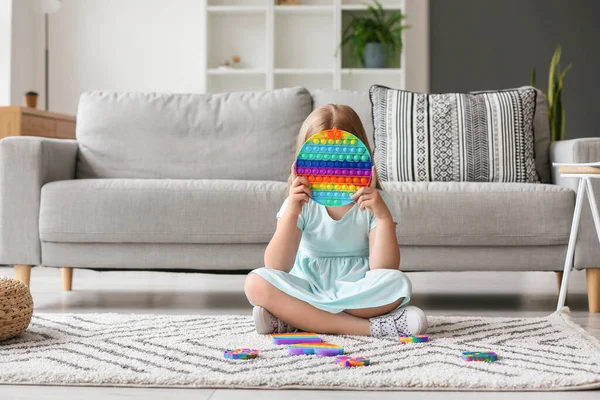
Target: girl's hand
{"type": "Point", "coordinates": [369, 197]}
{"type": "Point", "coordinates": [300, 193]}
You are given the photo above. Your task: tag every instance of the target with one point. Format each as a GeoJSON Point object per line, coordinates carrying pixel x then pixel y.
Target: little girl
{"type": "Point", "coordinates": [334, 270]}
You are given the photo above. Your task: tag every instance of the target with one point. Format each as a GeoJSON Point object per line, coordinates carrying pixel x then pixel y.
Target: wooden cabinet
{"type": "Point", "coordinates": [22, 121]}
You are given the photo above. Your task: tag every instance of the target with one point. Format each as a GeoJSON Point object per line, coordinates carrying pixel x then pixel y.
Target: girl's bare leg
{"type": "Point", "coordinates": [375, 311]}
{"type": "Point", "coordinates": [300, 314]}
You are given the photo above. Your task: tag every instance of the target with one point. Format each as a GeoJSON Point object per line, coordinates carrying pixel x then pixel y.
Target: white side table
{"type": "Point", "coordinates": [585, 174]}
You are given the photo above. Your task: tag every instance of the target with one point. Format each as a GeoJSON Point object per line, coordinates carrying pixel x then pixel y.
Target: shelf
{"type": "Point", "coordinates": [236, 71]}
{"type": "Point", "coordinates": [362, 7]}
{"type": "Point", "coordinates": [371, 71]}
{"type": "Point", "coordinates": [237, 9]}
{"type": "Point", "coordinates": [305, 9]}
{"type": "Point", "coordinates": [303, 71]}
{"type": "Point", "coordinates": [289, 45]}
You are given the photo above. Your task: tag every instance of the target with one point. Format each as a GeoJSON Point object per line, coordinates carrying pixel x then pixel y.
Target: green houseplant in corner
{"type": "Point", "coordinates": [556, 109]}
{"type": "Point", "coordinates": [373, 37]}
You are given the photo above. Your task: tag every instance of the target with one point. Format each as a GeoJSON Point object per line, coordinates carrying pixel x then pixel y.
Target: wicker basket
{"type": "Point", "coordinates": [16, 307]}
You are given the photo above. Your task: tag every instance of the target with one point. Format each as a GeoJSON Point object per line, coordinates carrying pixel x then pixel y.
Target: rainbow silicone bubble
{"type": "Point", "coordinates": [294, 338]}
{"type": "Point", "coordinates": [336, 164]}
{"type": "Point", "coordinates": [349, 362]}
{"type": "Point", "coordinates": [241, 354]}
{"type": "Point", "coordinates": [414, 339]}
{"type": "Point", "coordinates": [320, 349]}
{"type": "Point", "coordinates": [487, 356]}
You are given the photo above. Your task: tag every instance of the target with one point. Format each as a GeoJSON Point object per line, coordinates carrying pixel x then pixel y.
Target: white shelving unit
{"type": "Point", "coordinates": [285, 46]}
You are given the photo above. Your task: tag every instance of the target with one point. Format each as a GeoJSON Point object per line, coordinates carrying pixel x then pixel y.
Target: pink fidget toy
{"type": "Point", "coordinates": [349, 362]}
{"type": "Point", "coordinates": [336, 164]}
{"type": "Point", "coordinates": [319, 349]}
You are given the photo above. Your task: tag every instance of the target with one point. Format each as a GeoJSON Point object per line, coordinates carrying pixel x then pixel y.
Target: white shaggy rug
{"type": "Point", "coordinates": [549, 353]}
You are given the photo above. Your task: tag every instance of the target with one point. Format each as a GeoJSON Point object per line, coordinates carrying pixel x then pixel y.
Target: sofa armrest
{"type": "Point", "coordinates": [573, 151]}
{"type": "Point", "coordinates": [587, 252]}
{"type": "Point", "coordinates": [26, 164]}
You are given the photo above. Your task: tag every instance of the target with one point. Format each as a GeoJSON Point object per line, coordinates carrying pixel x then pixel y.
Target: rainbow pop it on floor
{"type": "Point", "coordinates": [293, 338]}
{"type": "Point", "coordinates": [241, 354]}
{"type": "Point", "coordinates": [336, 164]}
{"type": "Point", "coordinates": [349, 362]}
{"type": "Point", "coordinates": [414, 339]}
{"type": "Point", "coordinates": [487, 356]}
{"type": "Point", "coordinates": [320, 349]}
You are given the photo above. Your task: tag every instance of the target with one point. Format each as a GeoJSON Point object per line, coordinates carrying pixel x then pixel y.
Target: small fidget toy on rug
{"type": "Point", "coordinates": [487, 356]}
{"type": "Point", "coordinates": [414, 339]}
{"type": "Point", "coordinates": [336, 164]}
{"type": "Point", "coordinates": [294, 338]}
{"type": "Point", "coordinates": [349, 362]}
{"type": "Point", "coordinates": [319, 349]}
{"type": "Point", "coordinates": [241, 354]}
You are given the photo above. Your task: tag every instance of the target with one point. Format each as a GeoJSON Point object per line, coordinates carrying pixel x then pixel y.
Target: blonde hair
{"type": "Point", "coordinates": [327, 117]}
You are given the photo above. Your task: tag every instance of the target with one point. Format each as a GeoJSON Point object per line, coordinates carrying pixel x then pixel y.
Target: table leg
{"type": "Point", "coordinates": [593, 205]}
{"type": "Point", "coordinates": [571, 248]}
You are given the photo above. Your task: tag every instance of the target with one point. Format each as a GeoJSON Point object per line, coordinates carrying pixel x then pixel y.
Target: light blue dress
{"type": "Point", "coordinates": [331, 270]}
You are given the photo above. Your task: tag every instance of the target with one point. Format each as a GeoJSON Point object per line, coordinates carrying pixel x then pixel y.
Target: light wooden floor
{"type": "Point", "coordinates": [491, 294]}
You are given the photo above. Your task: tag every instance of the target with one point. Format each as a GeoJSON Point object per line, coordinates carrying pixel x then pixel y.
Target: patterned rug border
{"type": "Point", "coordinates": [563, 315]}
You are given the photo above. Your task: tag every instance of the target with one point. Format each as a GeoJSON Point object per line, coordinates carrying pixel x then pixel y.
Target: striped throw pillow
{"type": "Point", "coordinates": [464, 137]}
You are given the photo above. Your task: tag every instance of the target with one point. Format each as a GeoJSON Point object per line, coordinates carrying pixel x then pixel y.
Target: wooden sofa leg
{"type": "Point", "coordinates": [23, 273]}
{"type": "Point", "coordinates": [67, 278]}
{"type": "Point", "coordinates": [559, 276]}
{"type": "Point", "coordinates": [593, 289]}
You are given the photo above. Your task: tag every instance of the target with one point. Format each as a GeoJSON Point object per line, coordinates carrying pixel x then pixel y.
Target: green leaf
{"type": "Point", "coordinates": [552, 72]}
{"type": "Point", "coordinates": [564, 71]}
{"type": "Point", "coordinates": [558, 119]}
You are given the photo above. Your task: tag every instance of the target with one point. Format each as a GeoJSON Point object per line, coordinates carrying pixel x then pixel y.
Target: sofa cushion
{"type": "Point", "coordinates": [159, 211]}
{"type": "Point", "coordinates": [541, 135]}
{"type": "Point", "coordinates": [362, 105]}
{"type": "Point", "coordinates": [222, 211]}
{"type": "Point", "coordinates": [190, 136]}
{"type": "Point", "coordinates": [481, 214]}
{"type": "Point", "coordinates": [460, 137]}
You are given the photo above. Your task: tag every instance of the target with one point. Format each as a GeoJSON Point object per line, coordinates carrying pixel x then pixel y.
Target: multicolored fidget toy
{"type": "Point", "coordinates": [241, 354]}
{"type": "Point", "coordinates": [336, 164]}
{"type": "Point", "coordinates": [487, 356]}
{"type": "Point", "coordinates": [294, 338]}
{"type": "Point", "coordinates": [349, 362]}
{"type": "Point", "coordinates": [414, 339]}
{"type": "Point", "coordinates": [320, 349]}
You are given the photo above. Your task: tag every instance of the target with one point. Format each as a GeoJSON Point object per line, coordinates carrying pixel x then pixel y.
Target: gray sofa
{"type": "Point", "coordinates": [193, 182]}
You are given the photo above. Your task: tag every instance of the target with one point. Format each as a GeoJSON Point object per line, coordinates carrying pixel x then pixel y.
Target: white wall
{"type": "Point", "coordinates": [23, 51]}
{"type": "Point", "coordinates": [125, 45]}
{"type": "Point", "coordinates": [417, 45]}
{"type": "Point", "coordinates": [141, 45]}
{"type": "Point", "coordinates": [5, 57]}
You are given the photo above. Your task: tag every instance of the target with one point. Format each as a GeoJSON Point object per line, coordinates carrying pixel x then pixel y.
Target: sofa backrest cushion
{"type": "Point", "coordinates": [362, 105]}
{"type": "Point", "coordinates": [461, 137]}
{"type": "Point", "coordinates": [541, 135]}
{"type": "Point", "coordinates": [250, 135]}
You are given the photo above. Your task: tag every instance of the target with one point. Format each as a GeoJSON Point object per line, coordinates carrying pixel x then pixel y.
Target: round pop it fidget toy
{"type": "Point", "coordinates": [241, 354]}
{"type": "Point", "coordinates": [336, 164]}
{"type": "Point", "coordinates": [349, 362]}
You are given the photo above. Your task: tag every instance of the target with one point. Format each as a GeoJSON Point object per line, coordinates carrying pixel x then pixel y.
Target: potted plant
{"type": "Point", "coordinates": [373, 37]}
{"type": "Point", "coordinates": [556, 110]}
